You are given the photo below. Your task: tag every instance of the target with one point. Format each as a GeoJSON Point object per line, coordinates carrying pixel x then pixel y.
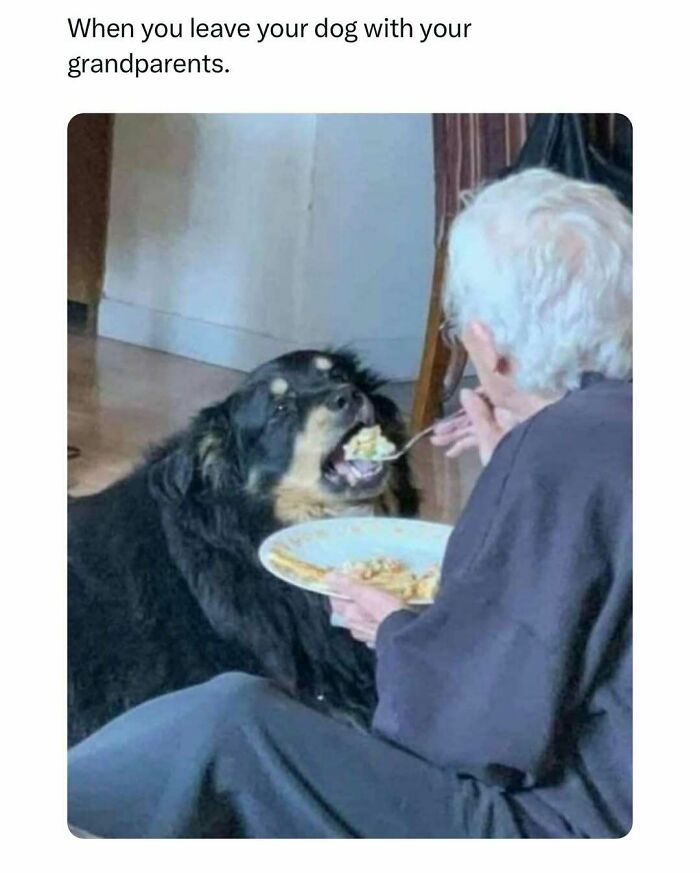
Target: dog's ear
{"type": "Point", "coordinates": [202, 461]}
{"type": "Point", "coordinates": [171, 477]}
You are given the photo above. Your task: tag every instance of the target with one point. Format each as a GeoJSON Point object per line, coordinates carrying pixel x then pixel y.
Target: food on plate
{"type": "Point", "coordinates": [387, 573]}
{"type": "Point", "coordinates": [304, 571]}
{"type": "Point", "coordinates": [368, 444]}
{"type": "Point", "coordinates": [395, 577]}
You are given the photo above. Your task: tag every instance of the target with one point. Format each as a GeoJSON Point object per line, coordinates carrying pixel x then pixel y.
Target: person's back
{"type": "Point", "coordinates": [534, 620]}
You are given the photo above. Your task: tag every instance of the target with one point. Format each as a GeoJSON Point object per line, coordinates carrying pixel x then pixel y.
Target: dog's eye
{"type": "Point", "coordinates": [335, 374]}
{"type": "Point", "coordinates": [282, 410]}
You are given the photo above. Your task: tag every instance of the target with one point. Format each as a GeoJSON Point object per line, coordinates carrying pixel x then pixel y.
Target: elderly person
{"type": "Point", "coordinates": [504, 708]}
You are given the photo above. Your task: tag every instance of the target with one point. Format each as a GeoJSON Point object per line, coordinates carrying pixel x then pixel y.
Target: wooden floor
{"type": "Point", "coordinates": [121, 398]}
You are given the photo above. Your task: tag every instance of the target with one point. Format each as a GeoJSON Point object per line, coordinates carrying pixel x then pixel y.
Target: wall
{"type": "Point", "coordinates": [234, 238]}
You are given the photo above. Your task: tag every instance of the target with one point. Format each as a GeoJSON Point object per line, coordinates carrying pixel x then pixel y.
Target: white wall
{"type": "Point", "coordinates": [234, 238]}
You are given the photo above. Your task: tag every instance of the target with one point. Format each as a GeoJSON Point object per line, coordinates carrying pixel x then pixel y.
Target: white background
{"type": "Point", "coordinates": [535, 56]}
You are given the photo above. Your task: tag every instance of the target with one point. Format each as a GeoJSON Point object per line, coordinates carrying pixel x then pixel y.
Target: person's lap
{"type": "Point", "coordinates": [236, 757]}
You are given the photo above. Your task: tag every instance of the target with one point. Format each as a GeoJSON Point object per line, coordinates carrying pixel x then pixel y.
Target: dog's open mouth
{"type": "Point", "coordinates": [356, 473]}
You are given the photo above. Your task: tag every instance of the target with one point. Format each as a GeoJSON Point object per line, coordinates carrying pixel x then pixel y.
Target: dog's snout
{"type": "Point", "coordinates": [345, 397]}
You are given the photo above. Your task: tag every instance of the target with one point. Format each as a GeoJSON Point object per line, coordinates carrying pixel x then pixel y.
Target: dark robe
{"type": "Point", "coordinates": [519, 677]}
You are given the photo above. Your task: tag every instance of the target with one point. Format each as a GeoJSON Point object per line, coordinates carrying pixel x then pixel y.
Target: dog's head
{"type": "Point", "coordinates": [280, 439]}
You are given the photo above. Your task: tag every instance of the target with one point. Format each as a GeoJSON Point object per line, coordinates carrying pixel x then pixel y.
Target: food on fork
{"type": "Point", "coordinates": [368, 444]}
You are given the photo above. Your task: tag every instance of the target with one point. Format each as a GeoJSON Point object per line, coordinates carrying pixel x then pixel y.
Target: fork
{"type": "Point", "coordinates": [423, 433]}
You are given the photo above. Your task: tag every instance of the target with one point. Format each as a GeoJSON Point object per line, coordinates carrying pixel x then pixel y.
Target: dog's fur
{"type": "Point", "coordinates": [165, 588]}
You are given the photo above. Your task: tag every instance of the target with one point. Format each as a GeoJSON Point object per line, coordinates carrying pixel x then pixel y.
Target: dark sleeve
{"type": "Point", "coordinates": [484, 679]}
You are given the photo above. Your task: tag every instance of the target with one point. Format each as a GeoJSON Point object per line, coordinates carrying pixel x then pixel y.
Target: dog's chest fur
{"type": "Point", "coordinates": [293, 506]}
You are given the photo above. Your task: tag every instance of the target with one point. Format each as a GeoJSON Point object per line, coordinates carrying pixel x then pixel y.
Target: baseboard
{"type": "Point", "coordinates": [188, 337]}
{"type": "Point", "coordinates": [396, 359]}
{"type": "Point", "coordinates": [81, 318]}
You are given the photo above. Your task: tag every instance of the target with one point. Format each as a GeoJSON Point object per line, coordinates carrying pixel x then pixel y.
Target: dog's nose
{"type": "Point", "coordinates": [344, 397]}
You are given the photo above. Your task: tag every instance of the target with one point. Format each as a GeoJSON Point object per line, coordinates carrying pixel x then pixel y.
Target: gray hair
{"type": "Point", "coordinates": [545, 262]}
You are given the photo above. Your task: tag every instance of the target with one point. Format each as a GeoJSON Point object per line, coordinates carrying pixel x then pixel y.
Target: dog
{"type": "Point", "coordinates": [165, 588]}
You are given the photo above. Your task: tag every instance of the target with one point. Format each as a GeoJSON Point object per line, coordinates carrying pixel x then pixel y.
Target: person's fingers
{"type": "Point", "coordinates": [344, 608]}
{"type": "Point", "coordinates": [364, 634]}
{"type": "Point", "coordinates": [447, 439]}
{"type": "Point", "coordinates": [346, 613]}
{"type": "Point", "coordinates": [504, 418]}
{"type": "Point", "coordinates": [335, 578]}
{"type": "Point", "coordinates": [361, 626]}
{"type": "Point", "coordinates": [444, 426]}
{"type": "Point", "coordinates": [445, 432]}
{"type": "Point", "coordinates": [486, 426]}
{"type": "Point", "coordinates": [352, 613]}
{"type": "Point", "coordinates": [338, 604]}
{"type": "Point", "coordinates": [461, 446]}
{"type": "Point", "coordinates": [344, 584]}
{"type": "Point", "coordinates": [367, 597]}
{"type": "Point", "coordinates": [476, 405]}
{"type": "Point", "coordinates": [354, 619]}
{"type": "Point", "coordinates": [450, 424]}
{"type": "Point", "coordinates": [482, 415]}
{"type": "Point", "coordinates": [352, 593]}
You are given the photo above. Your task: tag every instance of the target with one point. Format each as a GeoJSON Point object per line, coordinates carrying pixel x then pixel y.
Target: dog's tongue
{"type": "Point", "coordinates": [364, 467]}
{"type": "Point", "coordinates": [356, 469]}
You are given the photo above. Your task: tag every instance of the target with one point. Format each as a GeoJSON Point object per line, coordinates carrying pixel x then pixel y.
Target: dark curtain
{"type": "Point", "coordinates": [475, 147]}
{"type": "Point", "coordinates": [468, 149]}
{"type": "Point", "coordinates": [597, 148]}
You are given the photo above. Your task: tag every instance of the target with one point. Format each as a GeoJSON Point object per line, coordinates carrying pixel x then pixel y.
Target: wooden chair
{"type": "Point", "coordinates": [428, 392]}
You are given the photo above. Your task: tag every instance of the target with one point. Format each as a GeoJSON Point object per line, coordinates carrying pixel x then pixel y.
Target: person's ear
{"type": "Point", "coordinates": [504, 366]}
{"type": "Point", "coordinates": [478, 334]}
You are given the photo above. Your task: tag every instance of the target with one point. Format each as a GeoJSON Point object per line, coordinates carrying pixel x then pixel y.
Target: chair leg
{"type": "Point", "coordinates": [427, 397]}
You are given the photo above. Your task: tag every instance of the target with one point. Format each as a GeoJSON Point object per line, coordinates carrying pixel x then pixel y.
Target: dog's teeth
{"type": "Point", "coordinates": [348, 472]}
{"type": "Point", "coordinates": [365, 468]}
{"type": "Point", "coordinates": [353, 475]}
{"type": "Point", "coordinates": [356, 470]}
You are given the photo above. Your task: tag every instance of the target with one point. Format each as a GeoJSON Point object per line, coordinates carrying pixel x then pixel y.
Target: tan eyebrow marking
{"type": "Point", "coordinates": [322, 363]}
{"type": "Point", "coordinates": [279, 386]}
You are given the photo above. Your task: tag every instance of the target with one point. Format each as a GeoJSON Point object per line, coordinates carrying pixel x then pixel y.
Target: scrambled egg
{"type": "Point", "coordinates": [369, 444]}
{"type": "Point", "coordinates": [395, 577]}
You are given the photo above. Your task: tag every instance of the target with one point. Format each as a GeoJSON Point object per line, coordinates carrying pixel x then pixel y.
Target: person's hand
{"type": "Point", "coordinates": [481, 426]}
{"type": "Point", "coordinates": [364, 611]}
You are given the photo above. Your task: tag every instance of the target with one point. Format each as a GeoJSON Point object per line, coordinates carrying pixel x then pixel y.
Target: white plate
{"type": "Point", "coordinates": [332, 541]}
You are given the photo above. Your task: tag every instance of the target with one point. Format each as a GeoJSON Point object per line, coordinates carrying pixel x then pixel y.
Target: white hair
{"type": "Point", "coordinates": [545, 262]}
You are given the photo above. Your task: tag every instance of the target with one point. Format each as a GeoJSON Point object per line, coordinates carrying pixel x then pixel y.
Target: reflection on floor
{"type": "Point", "coordinates": [121, 398]}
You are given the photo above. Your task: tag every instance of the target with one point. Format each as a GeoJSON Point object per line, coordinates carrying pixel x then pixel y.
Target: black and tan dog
{"type": "Point", "coordinates": [164, 585]}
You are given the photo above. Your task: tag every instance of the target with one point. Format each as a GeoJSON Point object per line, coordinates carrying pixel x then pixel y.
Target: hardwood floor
{"type": "Point", "coordinates": [121, 398]}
